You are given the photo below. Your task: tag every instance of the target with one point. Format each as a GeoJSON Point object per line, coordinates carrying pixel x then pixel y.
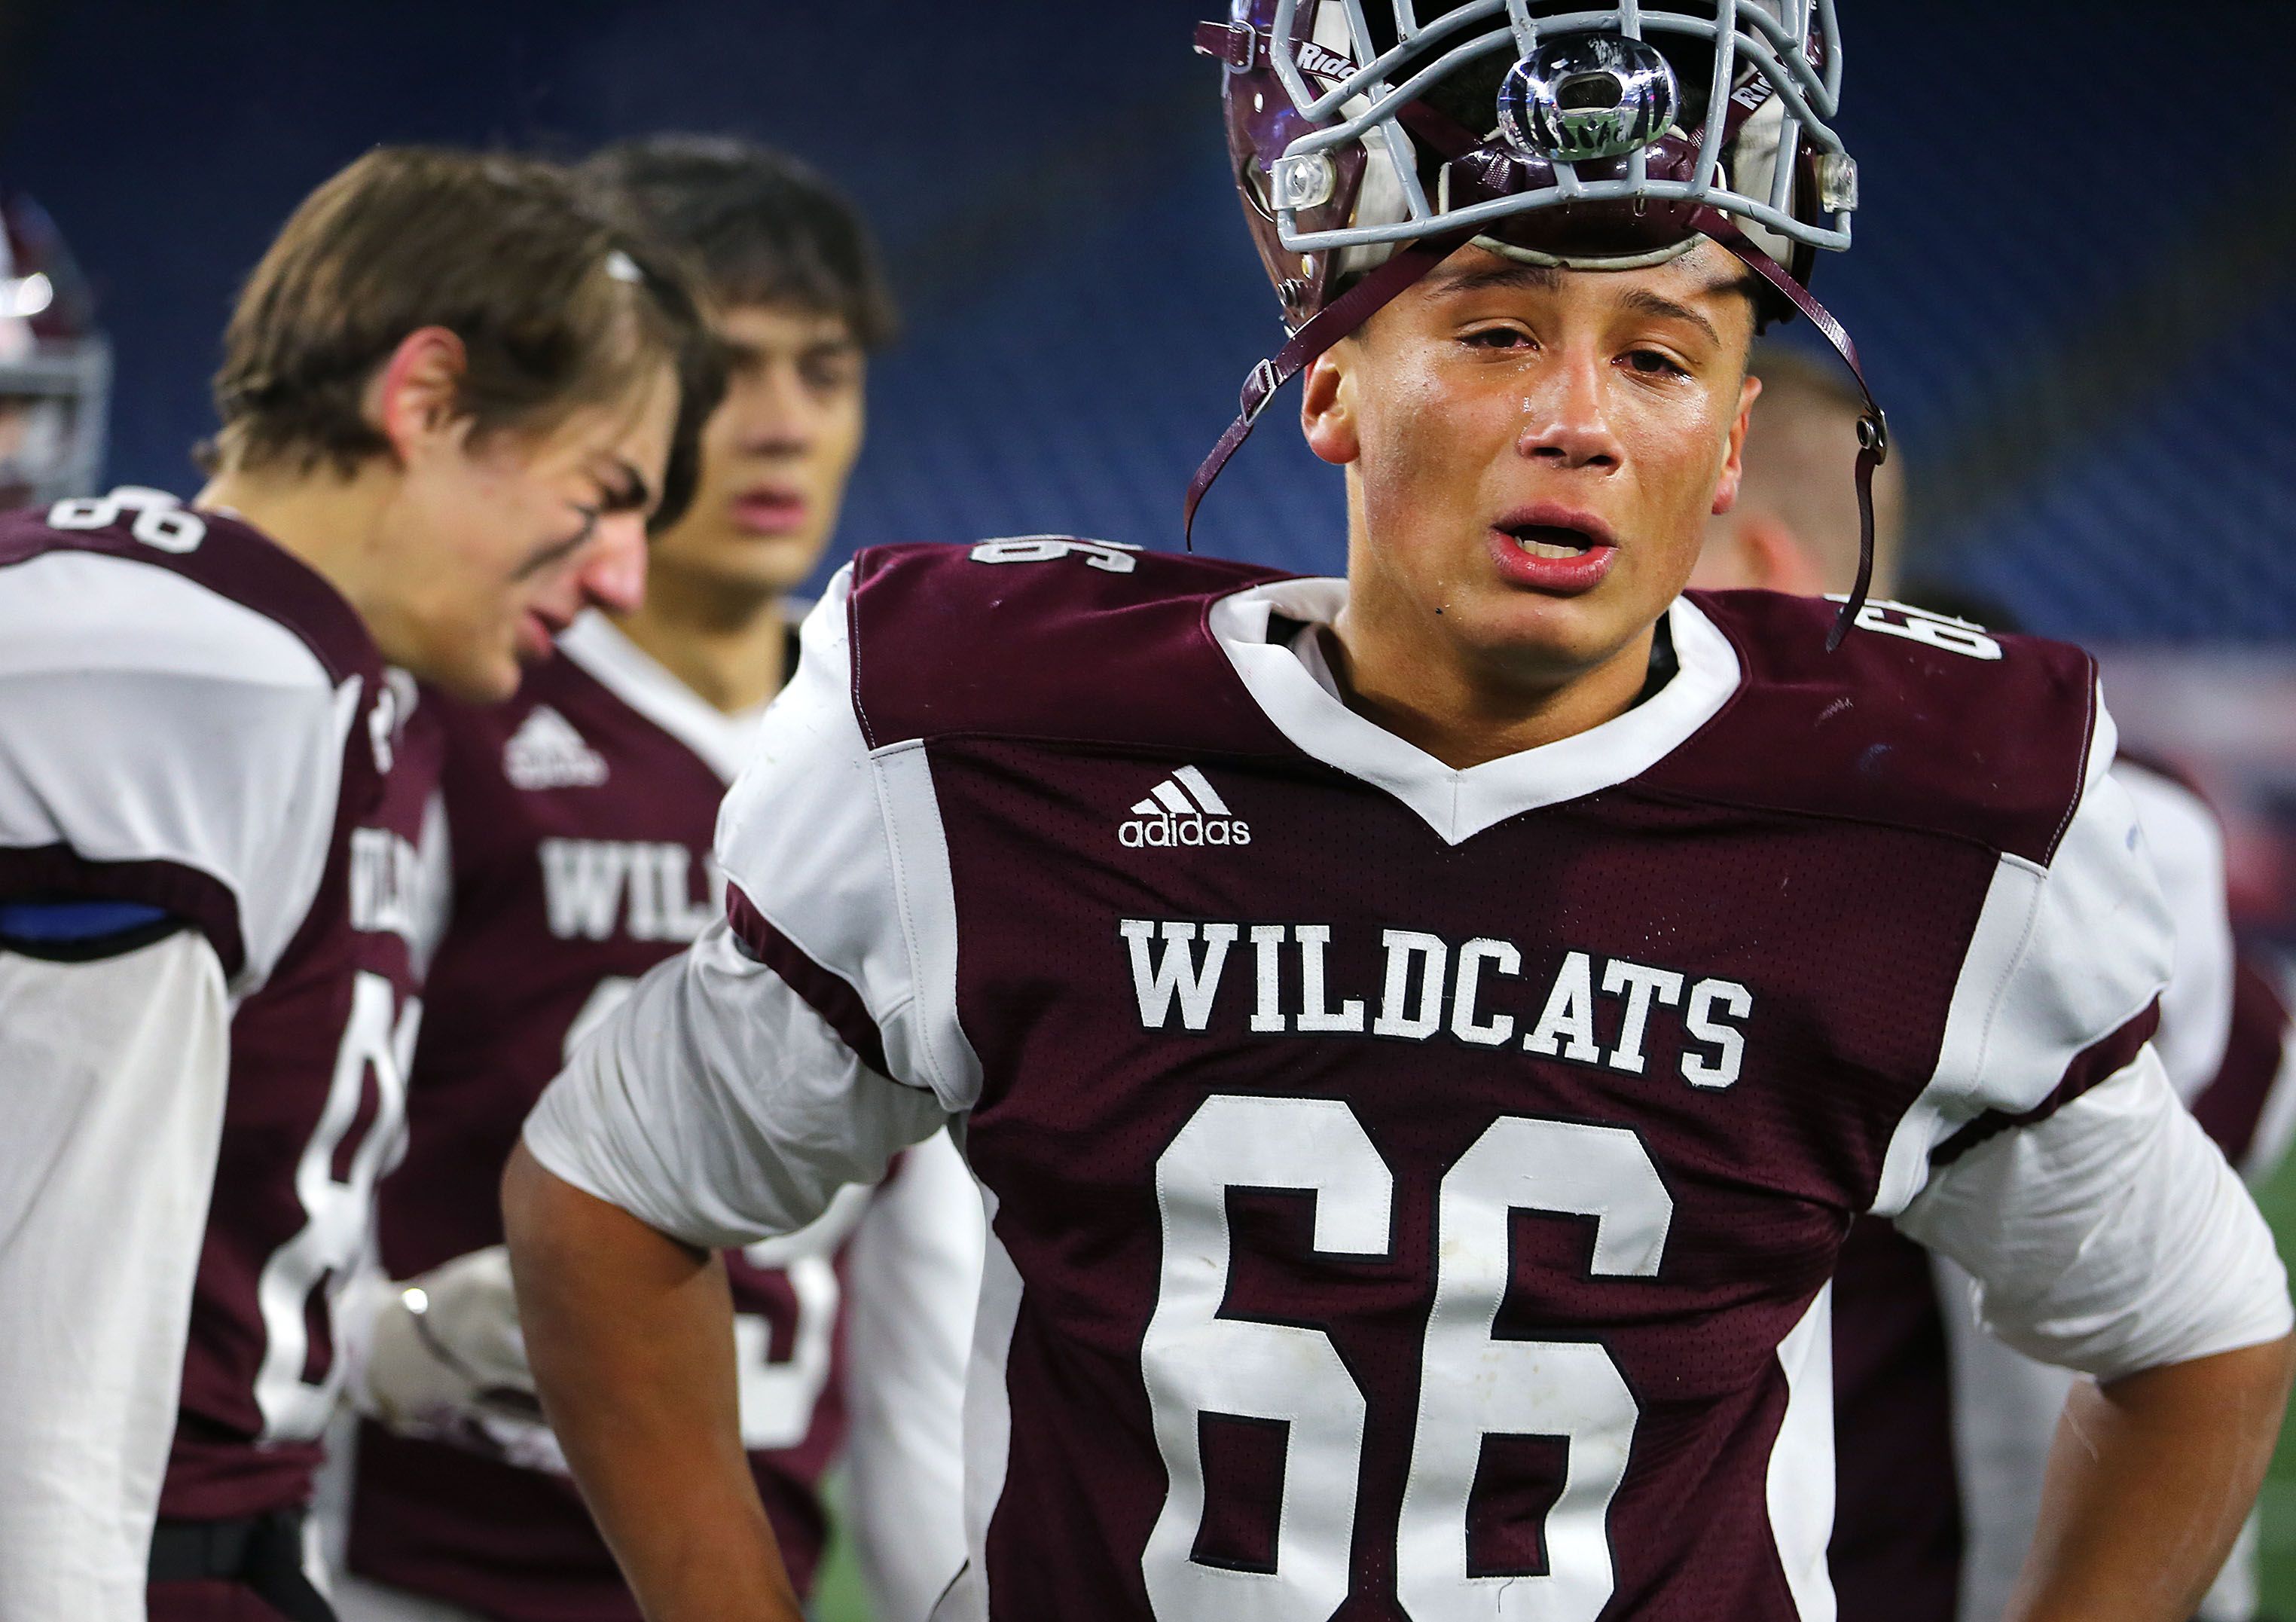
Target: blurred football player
{"type": "Point", "coordinates": [1425, 1035]}
{"type": "Point", "coordinates": [447, 401]}
{"type": "Point", "coordinates": [1945, 1432]}
{"type": "Point", "coordinates": [576, 823]}
{"type": "Point", "coordinates": [55, 368]}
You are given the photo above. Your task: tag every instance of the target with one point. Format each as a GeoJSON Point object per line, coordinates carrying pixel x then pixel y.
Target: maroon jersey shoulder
{"type": "Point", "coordinates": [2231, 1108]}
{"type": "Point", "coordinates": [1915, 722]}
{"type": "Point", "coordinates": [1050, 638]}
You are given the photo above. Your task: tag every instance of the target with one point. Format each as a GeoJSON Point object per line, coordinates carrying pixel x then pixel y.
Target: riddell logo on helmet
{"type": "Point", "coordinates": [1184, 810]}
{"type": "Point", "coordinates": [1329, 66]}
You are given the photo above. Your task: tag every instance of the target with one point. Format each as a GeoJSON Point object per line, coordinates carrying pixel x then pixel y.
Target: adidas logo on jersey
{"type": "Point", "coordinates": [1184, 810]}
{"type": "Point", "coordinates": [546, 752]}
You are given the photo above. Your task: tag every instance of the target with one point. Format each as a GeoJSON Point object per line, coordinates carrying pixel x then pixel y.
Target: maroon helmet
{"type": "Point", "coordinates": [55, 368]}
{"type": "Point", "coordinates": [1370, 139]}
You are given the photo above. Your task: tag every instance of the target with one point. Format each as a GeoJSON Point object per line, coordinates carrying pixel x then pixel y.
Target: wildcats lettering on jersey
{"type": "Point", "coordinates": [1429, 987]}
{"type": "Point", "coordinates": [386, 883]}
{"type": "Point", "coordinates": [648, 884]}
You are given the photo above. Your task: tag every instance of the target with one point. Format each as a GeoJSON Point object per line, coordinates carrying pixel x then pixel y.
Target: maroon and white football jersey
{"type": "Point", "coordinates": [1414, 1191]}
{"type": "Point", "coordinates": [1945, 1434]}
{"type": "Point", "coordinates": [578, 824]}
{"type": "Point", "coordinates": [195, 722]}
{"type": "Point", "coordinates": [315, 1116]}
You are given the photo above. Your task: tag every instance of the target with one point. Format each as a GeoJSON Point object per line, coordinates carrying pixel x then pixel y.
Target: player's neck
{"type": "Point", "coordinates": [1434, 695]}
{"type": "Point", "coordinates": [730, 647]}
{"type": "Point", "coordinates": [326, 521]}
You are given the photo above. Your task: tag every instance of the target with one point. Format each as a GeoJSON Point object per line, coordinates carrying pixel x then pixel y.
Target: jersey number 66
{"type": "Point", "coordinates": [1197, 1362]}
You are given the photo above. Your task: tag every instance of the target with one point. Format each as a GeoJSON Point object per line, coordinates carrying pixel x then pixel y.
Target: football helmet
{"type": "Point", "coordinates": [55, 368]}
{"type": "Point", "coordinates": [1370, 139]}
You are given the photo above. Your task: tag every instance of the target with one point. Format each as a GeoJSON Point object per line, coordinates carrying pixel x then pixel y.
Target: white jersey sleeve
{"type": "Point", "coordinates": [2186, 850]}
{"type": "Point", "coordinates": [105, 1067]}
{"type": "Point", "coordinates": [746, 1081]}
{"type": "Point", "coordinates": [913, 1272]}
{"type": "Point", "coordinates": [153, 727]}
{"type": "Point", "coordinates": [2109, 1238]}
{"type": "Point", "coordinates": [2049, 1157]}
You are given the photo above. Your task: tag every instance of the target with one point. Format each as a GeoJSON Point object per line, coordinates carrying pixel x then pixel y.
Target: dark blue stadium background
{"type": "Point", "coordinates": [2073, 282]}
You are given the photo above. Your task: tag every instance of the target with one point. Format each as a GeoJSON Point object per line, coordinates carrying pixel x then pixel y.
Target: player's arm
{"type": "Point", "coordinates": [2113, 1238]}
{"type": "Point", "coordinates": [2107, 1234]}
{"type": "Point", "coordinates": [632, 1339]}
{"type": "Point", "coordinates": [2150, 1480]}
{"type": "Point", "coordinates": [714, 1108]}
{"type": "Point", "coordinates": [739, 1087]}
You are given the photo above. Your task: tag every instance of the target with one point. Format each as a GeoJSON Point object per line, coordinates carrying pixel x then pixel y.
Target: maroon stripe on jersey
{"type": "Point", "coordinates": [200, 899]}
{"type": "Point", "coordinates": [827, 993]}
{"type": "Point", "coordinates": [2230, 1106]}
{"type": "Point", "coordinates": [2097, 1062]}
{"type": "Point", "coordinates": [233, 560]}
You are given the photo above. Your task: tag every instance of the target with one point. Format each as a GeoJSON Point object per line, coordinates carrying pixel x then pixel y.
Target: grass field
{"type": "Point", "coordinates": [841, 1599]}
{"type": "Point", "coordinates": [2278, 1199]}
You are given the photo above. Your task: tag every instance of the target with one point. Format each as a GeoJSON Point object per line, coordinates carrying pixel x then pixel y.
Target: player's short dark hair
{"type": "Point", "coordinates": [559, 307]}
{"type": "Point", "coordinates": [761, 226]}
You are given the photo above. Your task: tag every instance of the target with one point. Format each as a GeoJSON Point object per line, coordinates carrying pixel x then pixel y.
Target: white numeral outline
{"type": "Point", "coordinates": [337, 1215]}
{"type": "Point", "coordinates": [1471, 1385]}
{"type": "Point", "coordinates": [160, 522]}
{"type": "Point", "coordinates": [1195, 1361]}
{"type": "Point", "coordinates": [778, 1398]}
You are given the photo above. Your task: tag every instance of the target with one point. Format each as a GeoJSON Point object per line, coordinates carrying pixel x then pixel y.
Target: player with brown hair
{"type": "Point", "coordinates": [1415, 1172]}
{"type": "Point", "coordinates": [448, 399]}
{"type": "Point", "coordinates": [573, 829]}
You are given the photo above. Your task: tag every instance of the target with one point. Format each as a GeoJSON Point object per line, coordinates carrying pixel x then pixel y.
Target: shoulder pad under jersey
{"type": "Point", "coordinates": [1048, 636]}
{"type": "Point", "coordinates": [1917, 721]}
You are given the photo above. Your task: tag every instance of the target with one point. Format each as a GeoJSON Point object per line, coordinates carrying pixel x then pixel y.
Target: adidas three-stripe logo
{"type": "Point", "coordinates": [1184, 810]}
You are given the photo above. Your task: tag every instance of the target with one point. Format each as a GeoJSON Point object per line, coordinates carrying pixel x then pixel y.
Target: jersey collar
{"type": "Point", "coordinates": [1458, 805]}
{"type": "Point", "coordinates": [631, 675]}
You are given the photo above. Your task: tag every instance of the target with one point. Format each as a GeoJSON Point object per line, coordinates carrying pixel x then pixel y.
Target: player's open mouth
{"type": "Point", "coordinates": [1552, 550]}
{"type": "Point", "coordinates": [1552, 541]}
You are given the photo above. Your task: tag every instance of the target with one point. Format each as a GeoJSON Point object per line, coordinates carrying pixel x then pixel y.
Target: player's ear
{"type": "Point", "coordinates": [1726, 492]}
{"type": "Point", "coordinates": [1327, 406]}
{"type": "Point", "coordinates": [417, 394]}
